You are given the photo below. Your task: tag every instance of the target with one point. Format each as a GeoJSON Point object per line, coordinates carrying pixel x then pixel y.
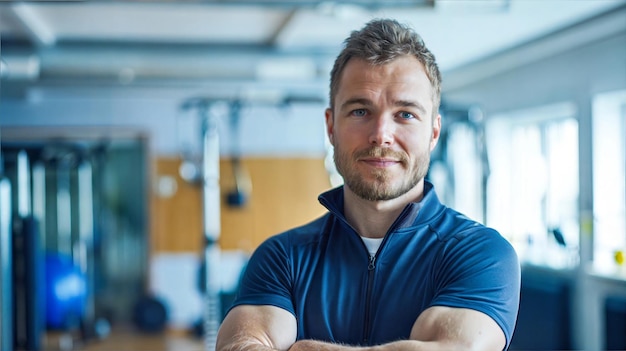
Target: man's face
{"type": "Point", "coordinates": [382, 127]}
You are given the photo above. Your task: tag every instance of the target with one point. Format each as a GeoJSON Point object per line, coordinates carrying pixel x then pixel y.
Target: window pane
{"type": "Point", "coordinates": [533, 187]}
{"type": "Point", "coordinates": [609, 178]}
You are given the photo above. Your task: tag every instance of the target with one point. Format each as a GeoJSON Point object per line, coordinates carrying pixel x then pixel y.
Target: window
{"type": "Point", "coordinates": [532, 190]}
{"type": "Point", "coordinates": [609, 178]}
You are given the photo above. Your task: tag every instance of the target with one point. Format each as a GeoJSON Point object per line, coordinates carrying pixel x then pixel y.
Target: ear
{"type": "Point", "coordinates": [436, 132]}
{"type": "Point", "coordinates": [329, 125]}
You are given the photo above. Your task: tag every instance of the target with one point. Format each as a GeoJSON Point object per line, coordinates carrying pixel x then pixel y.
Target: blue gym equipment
{"type": "Point", "coordinates": [65, 292]}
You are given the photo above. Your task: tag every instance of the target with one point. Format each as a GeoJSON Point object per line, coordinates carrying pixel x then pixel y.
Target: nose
{"type": "Point", "coordinates": [381, 131]}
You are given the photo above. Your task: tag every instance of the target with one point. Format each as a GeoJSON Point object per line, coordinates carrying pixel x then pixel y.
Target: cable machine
{"type": "Point", "coordinates": [211, 197]}
{"type": "Point", "coordinates": [47, 233]}
{"type": "Point", "coordinates": [209, 178]}
{"type": "Point", "coordinates": [6, 262]}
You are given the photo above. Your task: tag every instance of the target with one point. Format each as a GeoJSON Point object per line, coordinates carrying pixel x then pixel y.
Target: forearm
{"type": "Point", "coordinates": [403, 345]}
{"type": "Point", "coordinates": [310, 345]}
{"type": "Point", "coordinates": [245, 345]}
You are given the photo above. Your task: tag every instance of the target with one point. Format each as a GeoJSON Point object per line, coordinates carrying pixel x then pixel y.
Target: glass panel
{"type": "Point", "coordinates": [609, 179]}
{"type": "Point", "coordinates": [532, 191]}
{"type": "Point", "coordinates": [467, 171]}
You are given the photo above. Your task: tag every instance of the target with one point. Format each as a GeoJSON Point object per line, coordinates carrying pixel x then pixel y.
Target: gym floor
{"type": "Point", "coordinates": [126, 340]}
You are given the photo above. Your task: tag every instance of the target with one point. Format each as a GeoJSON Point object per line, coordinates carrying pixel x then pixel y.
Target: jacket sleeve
{"type": "Point", "coordinates": [267, 278]}
{"type": "Point", "coordinates": [479, 269]}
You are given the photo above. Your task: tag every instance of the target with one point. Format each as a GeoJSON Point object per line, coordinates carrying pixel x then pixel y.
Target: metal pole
{"type": "Point", "coordinates": [64, 207]}
{"type": "Point", "coordinates": [86, 233]}
{"type": "Point", "coordinates": [39, 199]}
{"type": "Point", "coordinates": [23, 271]}
{"type": "Point", "coordinates": [211, 208]}
{"type": "Point", "coordinates": [6, 267]}
{"type": "Point", "coordinates": [6, 255]}
{"type": "Point", "coordinates": [23, 184]}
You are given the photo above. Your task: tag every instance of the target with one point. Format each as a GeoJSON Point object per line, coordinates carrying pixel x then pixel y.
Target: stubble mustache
{"type": "Point", "coordinates": [381, 152]}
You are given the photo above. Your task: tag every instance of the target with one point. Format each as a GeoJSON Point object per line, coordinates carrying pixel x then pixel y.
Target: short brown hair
{"type": "Point", "coordinates": [381, 41]}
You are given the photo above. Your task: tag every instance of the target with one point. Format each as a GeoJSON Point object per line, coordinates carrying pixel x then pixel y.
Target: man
{"type": "Point", "coordinates": [388, 267]}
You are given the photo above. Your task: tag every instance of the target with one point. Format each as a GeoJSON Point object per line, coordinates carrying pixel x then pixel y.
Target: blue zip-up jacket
{"type": "Point", "coordinates": [431, 256]}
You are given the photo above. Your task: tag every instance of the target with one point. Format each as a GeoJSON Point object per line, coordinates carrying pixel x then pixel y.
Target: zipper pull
{"type": "Point", "coordinates": [372, 264]}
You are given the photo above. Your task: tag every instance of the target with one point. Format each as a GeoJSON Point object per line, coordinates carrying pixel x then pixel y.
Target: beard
{"type": "Point", "coordinates": [378, 184]}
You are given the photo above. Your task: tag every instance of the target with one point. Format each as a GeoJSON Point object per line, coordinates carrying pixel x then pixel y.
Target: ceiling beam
{"type": "Point", "coordinates": [280, 31]}
{"type": "Point", "coordinates": [369, 4]}
{"type": "Point", "coordinates": [33, 24]}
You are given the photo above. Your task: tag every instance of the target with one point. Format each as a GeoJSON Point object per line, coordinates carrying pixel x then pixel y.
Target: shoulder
{"type": "Point", "coordinates": [469, 245]}
{"type": "Point", "coordinates": [449, 224]}
{"type": "Point", "coordinates": [291, 239]}
{"type": "Point", "coordinates": [466, 237]}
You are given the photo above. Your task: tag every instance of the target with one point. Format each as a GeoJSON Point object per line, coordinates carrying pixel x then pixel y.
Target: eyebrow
{"type": "Point", "coordinates": [401, 103]}
{"type": "Point", "coordinates": [356, 101]}
{"type": "Point", "coordinates": [413, 104]}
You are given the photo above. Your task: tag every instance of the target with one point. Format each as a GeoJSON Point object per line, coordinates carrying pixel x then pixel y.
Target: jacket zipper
{"type": "Point", "coordinates": [370, 266]}
{"type": "Point", "coordinates": [370, 279]}
{"type": "Point", "coordinates": [368, 296]}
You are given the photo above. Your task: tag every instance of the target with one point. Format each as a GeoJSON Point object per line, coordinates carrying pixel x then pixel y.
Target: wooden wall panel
{"type": "Point", "coordinates": [284, 194]}
{"type": "Point", "coordinates": [176, 219]}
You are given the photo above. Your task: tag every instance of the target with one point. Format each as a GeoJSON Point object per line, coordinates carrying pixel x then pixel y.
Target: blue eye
{"type": "Point", "coordinates": [359, 112]}
{"type": "Point", "coordinates": [406, 115]}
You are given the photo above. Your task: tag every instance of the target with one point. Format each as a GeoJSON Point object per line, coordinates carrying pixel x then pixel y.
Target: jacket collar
{"type": "Point", "coordinates": [333, 200]}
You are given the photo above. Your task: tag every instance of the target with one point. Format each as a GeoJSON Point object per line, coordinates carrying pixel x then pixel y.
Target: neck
{"type": "Point", "coordinates": [372, 219]}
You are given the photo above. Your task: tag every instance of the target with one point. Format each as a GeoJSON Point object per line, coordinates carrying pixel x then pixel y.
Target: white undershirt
{"type": "Point", "coordinates": [372, 244]}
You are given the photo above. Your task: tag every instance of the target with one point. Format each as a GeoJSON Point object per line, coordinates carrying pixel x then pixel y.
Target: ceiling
{"type": "Point", "coordinates": [251, 42]}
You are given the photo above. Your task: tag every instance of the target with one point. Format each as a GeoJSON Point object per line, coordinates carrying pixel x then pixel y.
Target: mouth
{"type": "Point", "coordinates": [380, 162]}
{"type": "Point", "coordinates": [380, 158]}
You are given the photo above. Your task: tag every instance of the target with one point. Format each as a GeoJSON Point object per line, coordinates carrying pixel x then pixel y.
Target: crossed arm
{"type": "Point", "coordinates": [252, 328]}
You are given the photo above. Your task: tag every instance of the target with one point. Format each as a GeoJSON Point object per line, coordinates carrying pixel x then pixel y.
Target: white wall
{"type": "Point", "coordinates": [266, 131]}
